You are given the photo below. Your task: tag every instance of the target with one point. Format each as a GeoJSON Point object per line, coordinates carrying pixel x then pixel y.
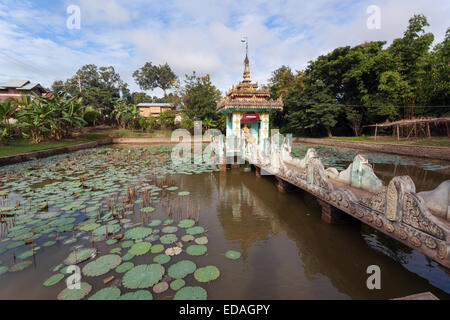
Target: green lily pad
{"type": "Point", "coordinates": [169, 229]}
{"type": "Point", "coordinates": [108, 293]}
{"type": "Point", "coordinates": [124, 267]}
{"type": "Point", "coordinates": [195, 230]}
{"type": "Point", "coordinates": [184, 193]}
{"type": "Point", "coordinates": [54, 279]}
{"type": "Point", "coordinates": [168, 238]}
{"type": "Point", "coordinates": [157, 248]}
{"type": "Point", "coordinates": [147, 209]}
{"type": "Point", "coordinates": [172, 188]}
{"type": "Point", "coordinates": [177, 284]}
{"type": "Point", "coordinates": [89, 227]}
{"type": "Point", "coordinates": [140, 248]}
{"type": "Point", "coordinates": [137, 295]}
{"type": "Point", "coordinates": [3, 269]}
{"type": "Point", "coordinates": [75, 294]}
{"type": "Point", "coordinates": [206, 274]}
{"type": "Point", "coordinates": [154, 223]}
{"type": "Point", "coordinates": [127, 256]}
{"type": "Point", "coordinates": [161, 259]}
{"type": "Point", "coordinates": [101, 265]}
{"type": "Point", "coordinates": [138, 233]}
{"type": "Point", "coordinates": [186, 223]}
{"type": "Point", "coordinates": [127, 244]}
{"type": "Point", "coordinates": [191, 293]}
{"type": "Point", "coordinates": [233, 254]}
{"type": "Point", "coordinates": [80, 255]}
{"type": "Point", "coordinates": [201, 240]}
{"type": "Point", "coordinates": [143, 276]}
{"type": "Point", "coordinates": [196, 250]}
{"type": "Point", "coordinates": [20, 266]}
{"type": "Point", "coordinates": [187, 238]}
{"type": "Point", "coordinates": [181, 269]}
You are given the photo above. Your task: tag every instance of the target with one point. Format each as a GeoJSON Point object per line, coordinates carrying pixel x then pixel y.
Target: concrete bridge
{"type": "Point", "coordinates": [418, 220]}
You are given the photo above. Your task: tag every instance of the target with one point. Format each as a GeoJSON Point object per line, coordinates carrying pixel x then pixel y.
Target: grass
{"type": "Point", "coordinates": [87, 135]}
{"type": "Point", "coordinates": [433, 141]}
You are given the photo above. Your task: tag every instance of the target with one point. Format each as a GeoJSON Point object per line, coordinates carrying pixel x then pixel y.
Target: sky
{"type": "Point", "coordinates": [200, 35]}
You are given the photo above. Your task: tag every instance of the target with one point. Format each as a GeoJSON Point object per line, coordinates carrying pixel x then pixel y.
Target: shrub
{"type": "Point", "coordinates": [92, 116]}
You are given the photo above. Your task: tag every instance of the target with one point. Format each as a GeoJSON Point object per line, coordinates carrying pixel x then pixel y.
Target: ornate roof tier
{"type": "Point", "coordinates": [247, 96]}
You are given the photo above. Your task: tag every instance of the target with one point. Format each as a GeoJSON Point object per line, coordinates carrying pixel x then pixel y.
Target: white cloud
{"type": "Point", "coordinates": [195, 35]}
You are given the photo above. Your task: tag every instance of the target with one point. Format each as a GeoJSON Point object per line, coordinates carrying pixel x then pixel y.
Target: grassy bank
{"type": "Point", "coordinates": [434, 141]}
{"type": "Point", "coordinates": [87, 135]}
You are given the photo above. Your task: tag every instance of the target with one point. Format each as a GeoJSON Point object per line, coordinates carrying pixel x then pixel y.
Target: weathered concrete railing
{"type": "Point", "coordinates": [419, 220]}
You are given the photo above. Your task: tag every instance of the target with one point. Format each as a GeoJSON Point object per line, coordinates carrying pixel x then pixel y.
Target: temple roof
{"type": "Point", "coordinates": [247, 96]}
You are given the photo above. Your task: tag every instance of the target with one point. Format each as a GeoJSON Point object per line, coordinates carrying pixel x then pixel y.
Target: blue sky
{"type": "Point", "coordinates": [192, 35]}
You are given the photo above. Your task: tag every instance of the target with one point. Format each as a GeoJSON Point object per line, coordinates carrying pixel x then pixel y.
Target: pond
{"type": "Point", "coordinates": [140, 228]}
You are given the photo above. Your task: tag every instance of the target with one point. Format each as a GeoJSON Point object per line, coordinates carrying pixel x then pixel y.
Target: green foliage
{"type": "Point", "coordinates": [54, 117]}
{"type": "Point", "coordinates": [148, 124]}
{"type": "Point", "coordinates": [150, 77]}
{"type": "Point", "coordinates": [166, 119]}
{"type": "Point", "coordinates": [92, 116]}
{"type": "Point", "coordinates": [125, 114]}
{"type": "Point", "coordinates": [200, 98]}
{"type": "Point", "coordinates": [186, 122]}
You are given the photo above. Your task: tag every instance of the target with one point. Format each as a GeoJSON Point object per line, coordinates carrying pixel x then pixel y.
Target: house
{"type": "Point", "coordinates": [15, 88]}
{"type": "Point", "coordinates": [148, 109]}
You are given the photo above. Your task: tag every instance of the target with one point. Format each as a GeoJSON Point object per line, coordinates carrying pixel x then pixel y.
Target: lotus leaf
{"type": "Point", "coordinates": [160, 287]}
{"type": "Point", "coordinates": [154, 223]}
{"type": "Point", "coordinates": [195, 230]}
{"type": "Point", "coordinates": [140, 248]}
{"type": "Point", "coordinates": [177, 284]}
{"type": "Point", "coordinates": [206, 274]}
{"type": "Point", "coordinates": [181, 269]}
{"type": "Point", "coordinates": [161, 258]}
{"type": "Point", "coordinates": [170, 229]}
{"type": "Point", "coordinates": [80, 255]}
{"type": "Point", "coordinates": [201, 240]}
{"type": "Point", "coordinates": [187, 238]}
{"type": "Point", "coordinates": [143, 276]}
{"type": "Point", "coordinates": [168, 238]}
{"type": "Point", "coordinates": [20, 266]}
{"type": "Point", "coordinates": [232, 254]}
{"type": "Point", "coordinates": [54, 279]}
{"type": "Point", "coordinates": [186, 223]}
{"type": "Point", "coordinates": [137, 295]}
{"type": "Point", "coordinates": [108, 293]}
{"type": "Point", "coordinates": [75, 294]}
{"type": "Point", "coordinates": [196, 250]}
{"type": "Point", "coordinates": [138, 233]}
{"type": "Point", "coordinates": [191, 293]}
{"type": "Point", "coordinates": [101, 265]}
{"type": "Point", "coordinates": [124, 267]}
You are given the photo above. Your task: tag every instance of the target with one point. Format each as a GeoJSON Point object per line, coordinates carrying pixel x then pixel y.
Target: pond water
{"type": "Point", "coordinates": [287, 252]}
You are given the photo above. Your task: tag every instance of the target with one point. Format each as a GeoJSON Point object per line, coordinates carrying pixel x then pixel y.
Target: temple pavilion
{"type": "Point", "coordinates": [247, 109]}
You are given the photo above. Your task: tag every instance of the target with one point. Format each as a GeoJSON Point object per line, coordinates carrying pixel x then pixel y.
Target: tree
{"type": "Point", "coordinates": [200, 97]}
{"type": "Point", "coordinates": [166, 119]}
{"type": "Point", "coordinates": [125, 114]}
{"type": "Point", "coordinates": [150, 77]}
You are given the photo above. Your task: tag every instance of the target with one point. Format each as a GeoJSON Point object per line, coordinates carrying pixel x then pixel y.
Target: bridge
{"type": "Point", "coordinates": [418, 220]}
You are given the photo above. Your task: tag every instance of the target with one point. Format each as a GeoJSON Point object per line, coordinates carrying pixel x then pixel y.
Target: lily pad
{"type": "Point", "coordinates": [186, 223]}
{"type": "Point", "coordinates": [206, 274]}
{"type": "Point", "coordinates": [168, 238]}
{"type": "Point", "coordinates": [75, 294]}
{"type": "Point", "coordinates": [154, 223]}
{"type": "Point", "coordinates": [54, 279]}
{"type": "Point", "coordinates": [177, 284]}
{"type": "Point", "coordinates": [184, 193]}
{"type": "Point", "coordinates": [138, 233]}
{"type": "Point", "coordinates": [187, 238]}
{"type": "Point", "coordinates": [20, 266]}
{"type": "Point", "coordinates": [140, 248]}
{"type": "Point", "coordinates": [108, 293]}
{"type": "Point", "coordinates": [160, 287]}
{"type": "Point", "coordinates": [233, 254]}
{"type": "Point", "coordinates": [101, 265]}
{"type": "Point", "coordinates": [157, 248]}
{"type": "Point", "coordinates": [201, 240]}
{"type": "Point", "coordinates": [161, 259]}
{"type": "Point", "coordinates": [191, 293]}
{"type": "Point", "coordinates": [137, 295]}
{"type": "Point", "coordinates": [124, 267]}
{"type": "Point", "coordinates": [169, 229]}
{"type": "Point", "coordinates": [181, 269]}
{"type": "Point", "coordinates": [3, 269]}
{"type": "Point", "coordinates": [196, 250]}
{"type": "Point", "coordinates": [195, 230]}
{"type": "Point", "coordinates": [80, 255]}
{"type": "Point", "coordinates": [143, 276]}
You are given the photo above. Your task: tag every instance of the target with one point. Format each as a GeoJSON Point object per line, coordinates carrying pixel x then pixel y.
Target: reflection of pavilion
{"type": "Point", "coordinates": [245, 218]}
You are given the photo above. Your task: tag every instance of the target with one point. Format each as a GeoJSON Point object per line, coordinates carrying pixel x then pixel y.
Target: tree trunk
{"type": "Point", "coordinates": [330, 135]}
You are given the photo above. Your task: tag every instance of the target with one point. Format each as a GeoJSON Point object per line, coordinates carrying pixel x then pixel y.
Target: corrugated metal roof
{"type": "Point", "coordinates": [153, 104]}
{"type": "Point", "coordinates": [28, 86]}
{"type": "Point", "coordinates": [14, 83]}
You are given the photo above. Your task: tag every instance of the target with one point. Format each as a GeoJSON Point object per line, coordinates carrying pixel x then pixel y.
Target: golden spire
{"type": "Point", "coordinates": [246, 69]}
